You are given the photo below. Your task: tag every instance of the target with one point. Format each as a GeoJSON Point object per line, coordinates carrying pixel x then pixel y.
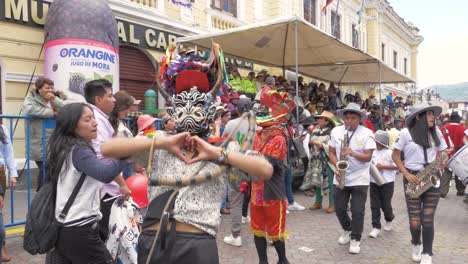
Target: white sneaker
{"type": "Point", "coordinates": [344, 238]}
{"type": "Point", "coordinates": [295, 207]}
{"type": "Point", "coordinates": [426, 259]}
{"type": "Point", "coordinates": [374, 233]}
{"type": "Point", "coordinates": [388, 226]}
{"type": "Point", "coordinates": [416, 255]}
{"type": "Point", "coordinates": [287, 211]}
{"type": "Point", "coordinates": [245, 219]}
{"type": "Point", "coordinates": [354, 247]}
{"type": "Point", "coordinates": [233, 241]}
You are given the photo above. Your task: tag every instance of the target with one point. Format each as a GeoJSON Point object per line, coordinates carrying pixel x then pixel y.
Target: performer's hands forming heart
{"type": "Point", "coordinates": [175, 144]}
{"type": "Point", "coordinates": [205, 150]}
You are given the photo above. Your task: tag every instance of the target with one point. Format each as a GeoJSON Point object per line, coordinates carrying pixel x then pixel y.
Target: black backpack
{"type": "Point", "coordinates": [42, 228]}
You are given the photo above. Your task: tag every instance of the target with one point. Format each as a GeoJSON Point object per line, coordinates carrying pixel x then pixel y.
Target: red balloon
{"type": "Point", "coordinates": [138, 184]}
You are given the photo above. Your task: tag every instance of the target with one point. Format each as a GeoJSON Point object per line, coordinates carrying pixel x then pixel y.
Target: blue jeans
{"type": "Point", "coordinates": [2, 232]}
{"type": "Point", "coordinates": [128, 171]}
{"type": "Point", "coordinates": [288, 184]}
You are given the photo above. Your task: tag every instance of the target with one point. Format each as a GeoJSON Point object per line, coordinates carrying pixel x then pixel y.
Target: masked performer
{"type": "Point", "coordinates": [181, 222]}
{"type": "Point", "coordinates": [268, 199]}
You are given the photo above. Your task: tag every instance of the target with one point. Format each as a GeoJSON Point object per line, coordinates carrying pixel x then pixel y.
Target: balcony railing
{"type": "Point", "coordinates": [146, 3]}
{"type": "Point", "coordinates": [221, 24]}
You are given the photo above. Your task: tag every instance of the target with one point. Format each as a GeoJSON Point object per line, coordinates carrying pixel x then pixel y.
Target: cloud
{"type": "Point", "coordinates": [442, 61]}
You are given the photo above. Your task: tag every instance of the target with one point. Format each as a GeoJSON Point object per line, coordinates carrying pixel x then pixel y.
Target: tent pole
{"type": "Point", "coordinates": [297, 74]}
{"type": "Point", "coordinates": [380, 92]}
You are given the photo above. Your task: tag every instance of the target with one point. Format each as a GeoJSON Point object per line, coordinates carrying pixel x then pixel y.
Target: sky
{"type": "Point", "coordinates": [443, 55]}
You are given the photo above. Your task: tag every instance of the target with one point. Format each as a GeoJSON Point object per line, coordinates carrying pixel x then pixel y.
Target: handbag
{"type": "Point", "coordinates": [42, 228]}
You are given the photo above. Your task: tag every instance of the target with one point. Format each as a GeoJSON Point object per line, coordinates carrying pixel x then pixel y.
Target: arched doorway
{"type": "Point", "coordinates": [137, 72]}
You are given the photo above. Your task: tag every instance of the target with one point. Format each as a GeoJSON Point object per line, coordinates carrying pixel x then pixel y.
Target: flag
{"type": "Point", "coordinates": [324, 9]}
{"type": "Point", "coordinates": [361, 11]}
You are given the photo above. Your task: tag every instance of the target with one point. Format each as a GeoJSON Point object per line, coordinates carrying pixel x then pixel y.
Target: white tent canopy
{"type": "Point", "coordinates": [320, 55]}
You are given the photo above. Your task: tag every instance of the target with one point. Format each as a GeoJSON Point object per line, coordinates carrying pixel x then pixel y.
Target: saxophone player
{"type": "Point", "coordinates": [360, 145]}
{"type": "Point", "coordinates": [421, 142]}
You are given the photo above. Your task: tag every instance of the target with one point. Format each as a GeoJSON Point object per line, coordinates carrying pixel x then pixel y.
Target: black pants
{"type": "Point", "coordinates": [445, 179]}
{"type": "Point", "coordinates": [187, 248]}
{"type": "Point", "coordinates": [105, 211]}
{"type": "Point", "coordinates": [79, 245]}
{"type": "Point", "coordinates": [246, 202]}
{"type": "Point", "coordinates": [445, 183]}
{"type": "Point", "coordinates": [41, 180]}
{"type": "Point", "coordinates": [381, 199]}
{"type": "Point", "coordinates": [421, 213]}
{"type": "Point", "coordinates": [460, 186]}
{"type": "Point", "coordinates": [358, 196]}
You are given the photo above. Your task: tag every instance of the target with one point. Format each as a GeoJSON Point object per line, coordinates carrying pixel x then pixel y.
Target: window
{"type": "Point", "coordinates": [336, 25]}
{"type": "Point", "coordinates": [355, 36]}
{"type": "Point", "coordinates": [309, 11]}
{"type": "Point", "coordinates": [453, 105]}
{"type": "Point", "coordinates": [395, 59]}
{"type": "Point", "coordinates": [228, 6]}
{"type": "Point", "coordinates": [405, 66]}
{"type": "Point", "coordinates": [383, 52]}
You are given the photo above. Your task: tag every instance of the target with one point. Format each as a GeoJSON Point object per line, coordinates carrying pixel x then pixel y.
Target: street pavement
{"type": "Point", "coordinates": [319, 231]}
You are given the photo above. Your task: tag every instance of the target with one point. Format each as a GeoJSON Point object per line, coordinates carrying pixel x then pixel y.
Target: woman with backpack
{"type": "Point", "coordinates": [72, 157]}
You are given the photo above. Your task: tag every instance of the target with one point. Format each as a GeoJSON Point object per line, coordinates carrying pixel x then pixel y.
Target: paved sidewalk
{"type": "Point", "coordinates": [319, 231]}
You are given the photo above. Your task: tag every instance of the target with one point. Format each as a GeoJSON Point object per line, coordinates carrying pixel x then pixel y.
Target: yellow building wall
{"type": "Point", "coordinates": [19, 51]}
{"type": "Point", "coordinates": [414, 62]}
{"type": "Point", "coordinates": [373, 34]}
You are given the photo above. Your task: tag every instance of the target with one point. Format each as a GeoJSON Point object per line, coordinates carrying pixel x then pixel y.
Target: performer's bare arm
{"type": "Point", "coordinates": [125, 147]}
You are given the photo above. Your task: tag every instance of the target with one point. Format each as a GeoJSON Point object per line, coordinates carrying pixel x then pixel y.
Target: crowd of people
{"type": "Point", "coordinates": [107, 140]}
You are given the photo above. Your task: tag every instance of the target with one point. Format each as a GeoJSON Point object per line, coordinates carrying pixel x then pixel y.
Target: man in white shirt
{"type": "Point", "coordinates": [358, 154]}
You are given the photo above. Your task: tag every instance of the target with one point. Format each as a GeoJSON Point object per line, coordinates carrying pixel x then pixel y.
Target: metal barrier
{"type": "Point", "coordinates": [158, 122]}
{"type": "Point", "coordinates": [46, 124]}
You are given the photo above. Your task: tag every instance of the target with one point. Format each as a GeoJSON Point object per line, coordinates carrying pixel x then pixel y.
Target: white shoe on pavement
{"type": "Point", "coordinates": [233, 241]}
{"type": "Point", "coordinates": [245, 219]}
{"type": "Point", "coordinates": [287, 211]}
{"type": "Point", "coordinates": [354, 247]}
{"type": "Point", "coordinates": [426, 259]}
{"type": "Point", "coordinates": [388, 226]}
{"type": "Point", "coordinates": [344, 238]}
{"type": "Point", "coordinates": [295, 207]}
{"type": "Point", "coordinates": [374, 233]}
{"type": "Point", "coordinates": [416, 255]}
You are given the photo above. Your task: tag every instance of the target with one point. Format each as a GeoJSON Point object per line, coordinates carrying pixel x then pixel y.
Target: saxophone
{"type": "Point", "coordinates": [342, 165]}
{"type": "Point", "coordinates": [428, 177]}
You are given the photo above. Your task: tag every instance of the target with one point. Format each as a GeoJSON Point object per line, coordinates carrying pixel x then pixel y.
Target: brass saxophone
{"type": "Point", "coordinates": [342, 165]}
{"type": "Point", "coordinates": [428, 176]}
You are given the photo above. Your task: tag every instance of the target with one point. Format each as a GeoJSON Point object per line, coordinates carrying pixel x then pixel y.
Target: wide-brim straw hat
{"type": "Point", "coordinates": [420, 108]}
{"type": "Point", "coordinates": [351, 107]}
{"type": "Point", "coordinates": [328, 115]}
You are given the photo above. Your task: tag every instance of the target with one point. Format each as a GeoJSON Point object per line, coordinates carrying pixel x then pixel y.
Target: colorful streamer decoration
{"type": "Point", "coordinates": [324, 9]}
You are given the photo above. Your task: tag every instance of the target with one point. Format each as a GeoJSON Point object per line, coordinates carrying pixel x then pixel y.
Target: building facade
{"type": "Point", "coordinates": [394, 41]}
{"type": "Point", "coordinates": [147, 27]}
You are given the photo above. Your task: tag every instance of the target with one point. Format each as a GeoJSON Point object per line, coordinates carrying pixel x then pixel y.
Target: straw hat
{"type": "Point", "coordinates": [328, 115]}
{"type": "Point", "coordinates": [420, 108]}
{"type": "Point", "coordinates": [354, 108]}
